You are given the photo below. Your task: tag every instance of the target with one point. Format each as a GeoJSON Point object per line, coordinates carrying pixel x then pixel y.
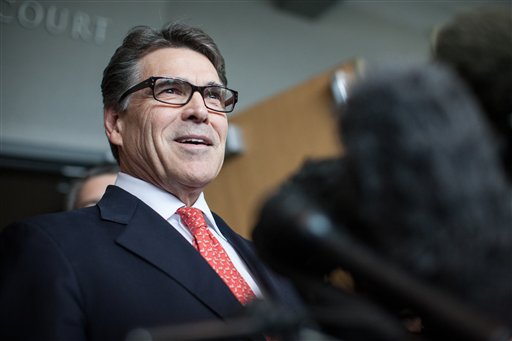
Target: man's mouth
{"type": "Point", "coordinates": [194, 140]}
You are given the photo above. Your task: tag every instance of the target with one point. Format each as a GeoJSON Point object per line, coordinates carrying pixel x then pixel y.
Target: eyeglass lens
{"type": "Point", "coordinates": [175, 91]}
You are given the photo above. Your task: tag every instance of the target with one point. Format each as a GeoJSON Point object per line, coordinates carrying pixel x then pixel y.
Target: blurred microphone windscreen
{"type": "Point", "coordinates": [431, 194]}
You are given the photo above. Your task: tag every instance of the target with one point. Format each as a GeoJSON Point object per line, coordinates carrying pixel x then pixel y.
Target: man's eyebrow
{"type": "Point", "coordinates": [214, 83]}
{"type": "Point", "coordinates": [210, 83]}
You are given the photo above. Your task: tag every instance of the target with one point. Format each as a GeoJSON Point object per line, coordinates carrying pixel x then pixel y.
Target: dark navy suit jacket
{"type": "Point", "coordinates": [99, 272]}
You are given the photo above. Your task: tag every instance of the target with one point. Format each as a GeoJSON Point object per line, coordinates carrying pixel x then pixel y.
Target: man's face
{"type": "Point", "coordinates": [179, 149]}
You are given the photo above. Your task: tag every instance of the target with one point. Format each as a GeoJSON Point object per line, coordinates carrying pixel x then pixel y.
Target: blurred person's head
{"type": "Point", "coordinates": [89, 190]}
{"type": "Point", "coordinates": [477, 44]}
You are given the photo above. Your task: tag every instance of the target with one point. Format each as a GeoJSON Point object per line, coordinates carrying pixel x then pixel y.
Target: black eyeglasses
{"type": "Point", "coordinates": [179, 92]}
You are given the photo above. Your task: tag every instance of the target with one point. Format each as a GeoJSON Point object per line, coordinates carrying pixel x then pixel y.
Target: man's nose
{"type": "Point", "coordinates": [195, 109]}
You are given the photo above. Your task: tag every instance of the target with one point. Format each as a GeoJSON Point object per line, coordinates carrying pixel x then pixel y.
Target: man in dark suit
{"type": "Point", "coordinates": [132, 260]}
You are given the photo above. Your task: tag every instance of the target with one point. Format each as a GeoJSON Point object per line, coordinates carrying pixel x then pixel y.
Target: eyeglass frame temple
{"type": "Point", "coordinates": [148, 83]}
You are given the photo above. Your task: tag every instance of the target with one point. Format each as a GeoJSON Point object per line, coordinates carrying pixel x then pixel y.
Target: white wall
{"type": "Point", "coordinates": [50, 82]}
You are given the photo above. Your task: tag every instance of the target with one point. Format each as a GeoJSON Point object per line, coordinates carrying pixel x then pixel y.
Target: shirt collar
{"type": "Point", "coordinates": [162, 202]}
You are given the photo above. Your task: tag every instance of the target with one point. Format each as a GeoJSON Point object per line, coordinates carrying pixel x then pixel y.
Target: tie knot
{"type": "Point", "coordinates": [193, 218]}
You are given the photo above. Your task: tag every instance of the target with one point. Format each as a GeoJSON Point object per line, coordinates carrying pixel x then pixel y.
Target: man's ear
{"type": "Point", "coordinates": [112, 124]}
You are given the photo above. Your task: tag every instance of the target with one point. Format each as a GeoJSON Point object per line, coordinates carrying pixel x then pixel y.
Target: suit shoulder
{"type": "Point", "coordinates": [60, 221]}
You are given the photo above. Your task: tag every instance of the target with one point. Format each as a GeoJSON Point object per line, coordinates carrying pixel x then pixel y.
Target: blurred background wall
{"type": "Point", "coordinates": [52, 54]}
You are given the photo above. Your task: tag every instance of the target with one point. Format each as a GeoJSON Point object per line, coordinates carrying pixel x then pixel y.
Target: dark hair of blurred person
{"type": "Point", "coordinates": [478, 45]}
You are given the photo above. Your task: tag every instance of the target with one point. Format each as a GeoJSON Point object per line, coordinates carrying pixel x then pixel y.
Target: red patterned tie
{"type": "Point", "coordinates": [210, 248]}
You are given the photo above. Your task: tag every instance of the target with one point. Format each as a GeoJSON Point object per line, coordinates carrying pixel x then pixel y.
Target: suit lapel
{"type": "Point", "coordinates": [246, 252]}
{"type": "Point", "coordinates": [150, 237]}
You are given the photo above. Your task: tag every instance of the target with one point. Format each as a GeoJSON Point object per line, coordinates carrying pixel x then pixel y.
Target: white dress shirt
{"type": "Point", "coordinates": [166, 204]}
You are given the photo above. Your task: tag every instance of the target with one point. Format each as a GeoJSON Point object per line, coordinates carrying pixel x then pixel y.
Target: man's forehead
{"type": "Point", "coordinates": [180, 63]}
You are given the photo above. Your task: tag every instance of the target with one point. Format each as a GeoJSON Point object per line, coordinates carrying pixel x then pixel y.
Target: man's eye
{"type": "Point", "coordinates": [214, 95]}
{"type": "Point", "coordinates": [172, 91]}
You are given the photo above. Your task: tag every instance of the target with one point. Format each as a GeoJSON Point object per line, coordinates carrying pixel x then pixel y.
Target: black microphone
{"type": "Point", "coordinates": [291, 227]}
